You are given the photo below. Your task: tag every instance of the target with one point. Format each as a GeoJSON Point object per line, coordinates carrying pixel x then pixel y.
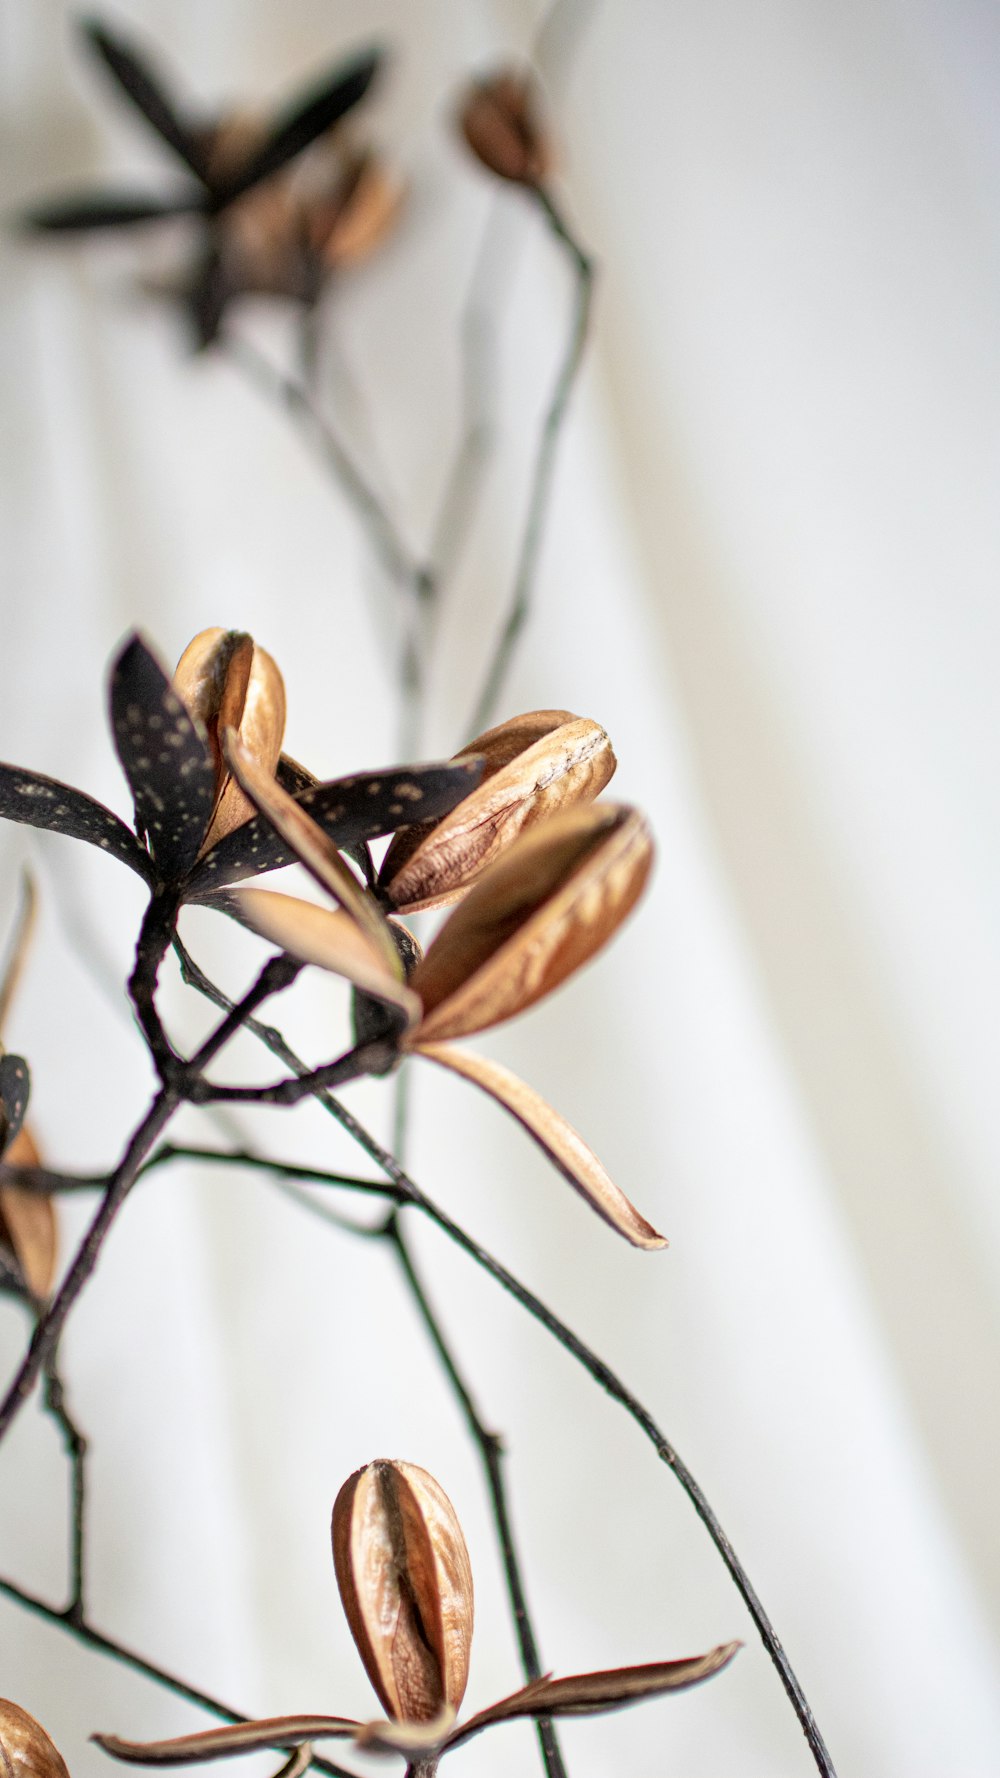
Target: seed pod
{"type": "Point", "coordinates": [501, 123]}
{"type": "Point", "coordinates": [406, 1585]}
{"type": "Point", "coordinates": [28, 1230]}
{"type": "Point", "coordinates": [25, 1749]}
{"type": "Point", "coordinates": [536, 766]}
{"type": "Point", "coordinates": [364, 210]}
{"type": "Point", "coordinates": [226, 681]}
{"type": "Point", "coordinates": [540, 913]}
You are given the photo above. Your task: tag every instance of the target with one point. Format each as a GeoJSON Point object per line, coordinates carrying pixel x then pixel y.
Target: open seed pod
{"type": "Point", "coordinates": [536, 766]}
{"type": "Point", "coordinates": [226, 681]}
{"type": "Point", "coordinates": [28, 1232]}
{"type": "Point", "coordinates": [25, 1749]}
{"type": "Point", "coordinates": [501, 121]}
{"type": "Point", "coordinates": [543, 910]}
{"type": "Point", "coordinates": [406, 1584]}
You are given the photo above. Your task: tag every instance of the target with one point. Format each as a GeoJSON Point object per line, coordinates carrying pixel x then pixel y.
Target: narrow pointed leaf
{"type": "Point", "coordinates": [588, 1694]}
{"type": "Point", "coordinates": [293, 777]}
{"type": "Point", "coordinates": [225, 1743]}
{"type": "Point", "coordinates": [557, 1138]}
{"type": "Point", "coordinates": [328, 937]}
{"type": "Point", "coordinates": [77, 212]}
{"type": "Point", "coordinates": [164, 758]}
{"type": "Point", "coordinates": [349, 811]}
{"type": "Point", "coordinates": [44, 802]}
{"type": "Point", "coordinates": [311, 845]}
{"type": "Point", "coordinates": [15, 1088]}
{"type": "Point", "coordinates": [308, 118]}
{"type": "Point", "coordinates": [147, 93]}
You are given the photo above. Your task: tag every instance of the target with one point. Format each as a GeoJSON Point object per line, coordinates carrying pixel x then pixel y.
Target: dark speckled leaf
{"type": "Point", "coordinates": [147, 93]}
{"type": "Point", "coordinates": [74, 213]}
{"type": "Point", "coordinates": [319, 110]}
{"type": "Point", "coordinates": [44, 802]}
{"type": "Point", "coordinates": [293, 777]}
{"type": "Point", "coordinates": [348, 810]}
{"type": "Point", "coordinates": [164, 757]}
{"type": "Point", "coordinates": [15, 1086]}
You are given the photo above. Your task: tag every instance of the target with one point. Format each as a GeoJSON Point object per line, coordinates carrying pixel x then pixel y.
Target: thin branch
{"type": "Point", "coordinates": [490, 1447]}
{"type": "Point", "coordinates": [545, 461]}
{"type": "Point", "coordinates": [127, 1657]}
{"type": "Point", "coordinates": [76, 1452]}
{"type": "Point", "coordinates": [595, 1367]}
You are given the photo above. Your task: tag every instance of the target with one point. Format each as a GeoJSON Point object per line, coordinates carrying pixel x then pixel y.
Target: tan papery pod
{"type": "Point", "coordinates": [501, 122]}
{"type": "Point", "coordinates": [406, 1584]}
{"type": "Point", "coordinates": [226, 681]}
{"type": "Point", "coordinates": [549, 904]}
{"type": "Point", "coordinates": [328, 937]}
{"type": "Point", "coordinates": [25, 1749]}
{"type": "Point", "coordinates": [28, 1222]}
{"type": "Point", "coordinates": [362, 214]}
{"type": "Point", "coordinates": [536, 766]}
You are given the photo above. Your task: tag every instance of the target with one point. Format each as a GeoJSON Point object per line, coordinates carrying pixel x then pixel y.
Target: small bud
{"type": "Point", "coordinates": [501, 123]}
{"type": "Point", "coordinates": [25, 1748]}
{"type": "Point", "coordinates": [226, 681]}
{"type": "Point", "coordinates": [406, 1585]}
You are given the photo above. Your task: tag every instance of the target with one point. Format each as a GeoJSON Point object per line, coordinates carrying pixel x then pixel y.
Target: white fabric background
{"type": "Point", "coordinates": [771, 573]}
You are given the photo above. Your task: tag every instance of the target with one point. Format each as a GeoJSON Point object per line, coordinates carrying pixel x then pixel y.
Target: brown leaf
{"type": "Point", "coordinates": [587, 1694]}
{"type": "Point", "coordinates": [243, 1737]}
{"type": "Point", "coordinates": [406, 1585]}
{"type": "Point", "coordinates": [28, 1227]}
{"type": "Point", "coordinates": [25, 1749]}
{"type": "Point", "coordinates": [536, 766]}
{"type": "Point", "coordinates": [546, 907]}
{"type": "Point", "coordinates": [226, 681]}
{"type": "Point", "coordinates": [558, 1139]}
{"type": "Point", "coordinates": [501, 123]}
{"type": "Point", "coordinates": [328, 937]}
{"type": "Point", "coordinates": [311, 846]}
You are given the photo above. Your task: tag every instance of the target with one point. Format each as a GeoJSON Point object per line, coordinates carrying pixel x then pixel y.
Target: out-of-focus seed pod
{"type": "Point", "coordinates": [28, 1223]}
{"type": "Point", "coordinates": [362, 213]}
{"type": "Point", "coordinates": [536, 766]}
{"type": "Point", "coordinates": [550, 903]}
{"type": "Point", "coordinates": [25, 1749]}
{"type": "Point", "coordinates": [406, 1584]}
{"type": "Point", "coordinates": [501, 122]}
{"type": "Point", "coordinates": [226, 681]}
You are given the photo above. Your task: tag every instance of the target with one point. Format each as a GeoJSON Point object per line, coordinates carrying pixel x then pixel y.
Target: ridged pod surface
{"type": "Point", "coordinates": [25, 1749]}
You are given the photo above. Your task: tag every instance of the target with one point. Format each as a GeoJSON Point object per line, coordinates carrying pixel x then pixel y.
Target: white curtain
{"type": "Point", "coordinates": [770, 572]}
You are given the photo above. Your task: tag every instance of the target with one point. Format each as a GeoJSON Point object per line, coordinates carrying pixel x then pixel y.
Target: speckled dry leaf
{"type": "Point", "coordinates": [406, 1584]}
{"type": "Point", "coordinates": [548, 905]}
{"type": "Point", "coordinates": [164, 757]}
{"type": "Point", "coordinates": [26, 1751]}
{"type": "Point", "coordinates": [349, 810]}
{"type": "Point", "coordinates": [501, 122]}
{"type": "Point", "coordinates": [328, 937]}
{"type": "Point", "coordinates": [311, 846]}
{"type": "Point", "coordinates": [535, 766]}
{"type": "Point", "coordinates": [556, 1137]}
{"type": "Point", "coordinates": [226, 681]}
{"type": "Point", "coordinates": [244, 1737]}
{"type": "Point", "coordinates": [15, 1088]}
{"type": "Point", "coordinates": [44, 802]}
{"type": "Point", "coordinates": [588, 1694]}
{"type": "Point", "coordinates": [306, 118]}
{"type": "Point", "coordinates": [28, 1226]}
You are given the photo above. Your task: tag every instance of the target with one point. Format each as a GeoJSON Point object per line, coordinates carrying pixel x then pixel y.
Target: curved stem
{"type": "Point", "coordinates": [491, 1450]}
{"type": "Point", "coordinates": [76, 1452]}
{"type": "Point", "coordinates": [545, 461]}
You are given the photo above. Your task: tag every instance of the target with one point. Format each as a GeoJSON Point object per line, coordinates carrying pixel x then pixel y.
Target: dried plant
{"type": "Point", "coordinates": [509, 834]}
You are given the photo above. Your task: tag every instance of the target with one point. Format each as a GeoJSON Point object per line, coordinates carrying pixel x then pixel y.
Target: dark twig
{"type": "Point", "coordinates": [491, 1451]}
{"type": "Point", "coordinates": [410, 1193]}
{"type": "Point", "coordinates": [545, 460]}
{"type": "Point", "coordinates": [127, 1657]}
{"type": "Point", "coordinates": [76, 1452]}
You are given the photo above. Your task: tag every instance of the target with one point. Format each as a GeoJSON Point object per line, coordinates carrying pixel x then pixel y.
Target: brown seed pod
{"type": "Point", "coordinates": [226, 681]}
{"type": "Point", "coordinates": [536, 766]}
{"type": "Point", "coordinates": [363, 211]}
{"type": "Point", "coordinates": [28, 1223]}
{"type": "Point", "coordinates": [25, 1749]}
{"type": "Point", "coordinates": [406, 1584]}
{"type": "Point", "coordinates": [501, 122]}
{"type": "Point", "coordinates": [542, 911]}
